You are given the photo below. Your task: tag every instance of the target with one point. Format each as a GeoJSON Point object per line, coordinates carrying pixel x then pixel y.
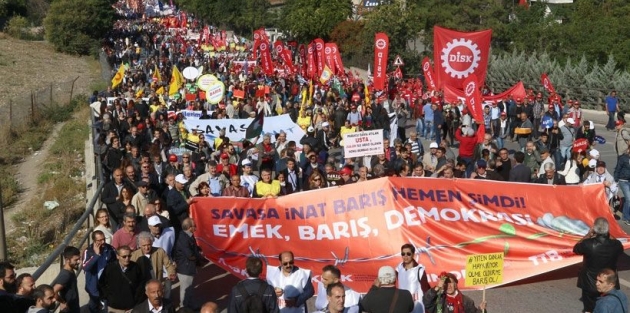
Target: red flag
{"type": "Point", "coordinates": [329, 56]}
{"type": "Point", "coordinates": [459, 55]}
{"type": "Point", "coordinates": [265, 58]}
{"type": "Point", "coordinates": [547, 83]}
{"type": "Point", "coordinates": [285, 55]}
{"type": "Point", "coordinates": [183, 20]}
{"type": "Point", "coordinates": [475, 104]}
{"type": "Point", "coordinates": [338, 63]}
{"type": "Point", "coordinates": [319, 50]}
{"type": "Point", "coordinates": [429, 76]}
{"type": "Point", "coordinates": [302, 52]}
{"type": "Point", "coordinates": [452, 94]}
{"type": "Point", "coordinates": [312, 67]}
{"type": "Point", "coordinates": [381, 50]}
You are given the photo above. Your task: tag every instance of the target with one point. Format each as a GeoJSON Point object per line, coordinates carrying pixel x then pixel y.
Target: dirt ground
{"type": "Point", "coordinates": [32, 65]}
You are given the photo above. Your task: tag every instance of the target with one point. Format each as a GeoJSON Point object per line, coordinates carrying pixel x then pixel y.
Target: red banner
{"type": "Point", "coordinates": [339, 70]}
{"type": "Point", "coordinates": [319, 50]}
{"type": "Point", "coordinates": [329, 56]}
{"type": "Point", "coordinates": [457, 55]}
{"type": "Point", "coordinates": [535, 226]}
{"type": "Point", "coordinates": [284, 54]}
{"type": "Point", "coordinates": [429, 76]}
{"type": "Point", "coordinates": [547, 83]}
{"type": "Point", "coordinates": [206, 35]}
{"type": "Point", "coordinates": [452, 94]}
{"type": "Point", "coordinates": [265, 58]}
{"type": "Point", "coordinates": [312, 66]}
{"type": "Point", "coordinates": [302, 53]}
{"type": "Point", "coordinates": [381, 51]}
{"type": "Point", "coordinates": [473, 101]}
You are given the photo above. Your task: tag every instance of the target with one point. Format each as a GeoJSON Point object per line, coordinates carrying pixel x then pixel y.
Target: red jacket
{"type": "Point", "coordinates": [466, 144]}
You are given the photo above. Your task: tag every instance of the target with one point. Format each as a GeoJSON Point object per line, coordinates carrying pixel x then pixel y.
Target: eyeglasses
{"type": "Point", "coordinates": [406, 254]}
{"type": "Point", "coordinates": [317, 179]}
{"type": "Point", "coordinates": [185, 157]}
{"type": "Point", "coordinates": [288, 263]}
{"type": "Point", "coordinates": [126, 256]}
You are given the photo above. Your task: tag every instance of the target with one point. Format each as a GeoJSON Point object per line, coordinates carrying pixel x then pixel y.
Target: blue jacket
{"type": "Point", "coordinates": [614, 301]}
{"type": "Point", "coordinates": [186, 254]}
{"type": "Point", "coordinates": [94, 264]}
{"type": "Point", "coordinates": [622, 170]}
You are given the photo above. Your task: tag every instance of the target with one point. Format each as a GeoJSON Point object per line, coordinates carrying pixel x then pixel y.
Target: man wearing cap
{"type": "Point", "coordinates": [551, 112]}
{"type": "Point", "coordinates": [612, 107]}
{"type": "Point", "coordinates": [545, 156]}
{"type": "Point", "coordinates": [429, 159]}
{"type": "Point", "coordinates": [178, 201]}
{"type": "Point", "coordinates": [163, 237]}
{"type": "Point", "coordinates": [326, 137]}
{"type": "Point", "coordinates": [225, 167]}
{"type": "Point", "coordinates": [446, 297]}
{"type": "Point", "coordinates": [248, 179]}
{"type": "Point", "coordinates": [354, 117]}
{"type": "Point", "coordinates": [622, 138]}
{"type": "Point", "coordinates": [482, 172]}
{"type": "Point", "coordinates": [267, 154]}
{"type": "Point", "coordinates": [380, 298]}
{"type": "Point", "coordinates": [602, 176]}
{"type": "Point", "coordinates": [310, 139]}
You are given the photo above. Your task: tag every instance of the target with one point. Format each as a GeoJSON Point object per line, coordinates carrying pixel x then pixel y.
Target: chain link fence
{"type": "Point", "coordinates": [21, 111]}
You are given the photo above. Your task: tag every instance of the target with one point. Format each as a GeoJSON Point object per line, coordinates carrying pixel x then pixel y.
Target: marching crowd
{"type": "Point", "coordinates": [155, 168]}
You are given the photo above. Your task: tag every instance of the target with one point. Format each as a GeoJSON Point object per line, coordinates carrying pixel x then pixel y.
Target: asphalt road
{"type": "Point", "coordinates": [551, 292]}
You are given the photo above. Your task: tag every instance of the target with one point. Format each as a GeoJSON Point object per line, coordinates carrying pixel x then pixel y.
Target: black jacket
{"type": "Point", "coordinates": [167, 307]}
{"type": "Point", "coordinates": [599, 252]}
{"type": "Point", "coordinates": [122, 291]}
{"type": "Point", "coordinates": [253, 285]}
{"type": "Point", "coordinates": [557, 179]}
{"type": "Point", "coordinates": [431, 300]}
{"type": "Point", "coordinates": [186, 254]}
{"type": "Point", "coordinates": [379, 299]}
{"type": "Point", "coordinates": [520, 173]}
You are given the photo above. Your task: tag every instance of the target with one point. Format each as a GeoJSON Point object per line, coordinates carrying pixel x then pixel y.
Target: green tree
{"type": "Point", "coordinates": [76, 26]}
{"type": "Point", "coordinates": [306, 20]}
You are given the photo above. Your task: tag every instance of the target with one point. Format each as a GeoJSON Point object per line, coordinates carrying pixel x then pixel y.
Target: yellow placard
{"type": "Point", "coordinates": [484, 269]}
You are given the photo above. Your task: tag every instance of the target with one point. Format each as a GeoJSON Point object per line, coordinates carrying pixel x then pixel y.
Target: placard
{"type": "Point", "coordinates": [484, 269]}
{"type": "Point", "coordinates": [358, 144]}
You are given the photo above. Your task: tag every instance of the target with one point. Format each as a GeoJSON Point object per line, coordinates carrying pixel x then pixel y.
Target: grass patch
{"type": "Point", "coordinates": [39, 229]}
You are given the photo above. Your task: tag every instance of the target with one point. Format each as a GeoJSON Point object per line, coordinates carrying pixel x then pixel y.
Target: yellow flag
{"type": "Point", "coordinates": [176, 81]}
{"type": "Point", "coordinates": [310, 92]}
{"type": "Point", "coordinates": [140, 92]}
{"type": "Point", "coordinates": [118, 77]}
{"type": "Point", "coordinates": [367, 95]}
{"type": "Point", "coordinates": [157, 77]}
{"type": "Point", "coordinates": [304, 96]}
{"type": "Point", "coordinates": [160, 90]}
{"type": "Point", "coordinates": [326, 75]}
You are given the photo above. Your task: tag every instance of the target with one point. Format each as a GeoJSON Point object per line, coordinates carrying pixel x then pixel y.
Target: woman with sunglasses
{"type": "Point", "coordinates": [316, 181]}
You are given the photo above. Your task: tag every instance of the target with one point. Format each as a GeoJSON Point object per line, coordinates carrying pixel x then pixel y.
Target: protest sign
{"type": "Point", "coordinates": [484, 269]}
{"type": "Point", "coordinates": [235, 128]}
{"type": "Point", "coordinates": [358, 144]}
{"type": "Point", "coordinates": [449, 218]}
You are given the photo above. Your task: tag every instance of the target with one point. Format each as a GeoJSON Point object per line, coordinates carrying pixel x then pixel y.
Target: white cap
{"type": "Point", "coordinates": [325, 124]}
{"type": "Point", "coordinates": [310, 129]}
{"type": "Point", "coordinates": [433, 145]}
{"type": "Point", "coordinates": [154, 220]}
{"type": "Point", "coordinates": [470, 132]}
{"type": "Point", "coordinates": [594, 154]}
{"type": "Point", "coordinates": [387, 275]}
{"type": "Point", "coordinates": [571, 121]}
{"type": "Point", "coordinates": [246, 162]}
{"type": "Point", "coordinates": [592, 163]}
{"type": "Point", "coordinates": [181, 179]}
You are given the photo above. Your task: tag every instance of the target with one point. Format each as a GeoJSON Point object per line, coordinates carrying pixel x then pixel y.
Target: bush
{"type": "Point", "coordinates": [17, 27]}
{"type": "Point", "coordinates": [75, 26]}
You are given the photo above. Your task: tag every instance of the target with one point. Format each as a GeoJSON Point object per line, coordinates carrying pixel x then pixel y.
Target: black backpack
{"type": "Point", "coordinates": [252, 303]}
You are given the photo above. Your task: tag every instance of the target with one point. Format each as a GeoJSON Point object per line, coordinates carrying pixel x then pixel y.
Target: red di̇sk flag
{"type": "Point", "coordinates": [319, 50]}
{"type": "Point", "coordinates": [283, 54]}
{"type": "Point", "coordinates": [547, 83]}
{"type": "Point", "coordinates": [381, 51]}
{"type": "Point", "coordinates": [302, 52]}
{"type": "Point", "coordinates": [460, 54]}
{"type": "Point", "coordinates": [265, 58]}
{"type": "Point", "coordinates": [329, 56]}
{"type": "Point", "coordinates": [475, 103]}
{"type": "Point", "coordinates": [429, 76]}
{"type": "Point", "coordinates": [339, 70]}
{"type": "Point", "coordinates": [312, 60]}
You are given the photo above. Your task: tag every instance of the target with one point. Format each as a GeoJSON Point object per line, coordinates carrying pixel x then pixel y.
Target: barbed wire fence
{"type": "Point", "coordinates": [27, 108]}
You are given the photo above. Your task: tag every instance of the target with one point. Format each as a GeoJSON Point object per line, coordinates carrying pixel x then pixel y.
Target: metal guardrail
{"type": "Point", "coordinates": [57, 253]}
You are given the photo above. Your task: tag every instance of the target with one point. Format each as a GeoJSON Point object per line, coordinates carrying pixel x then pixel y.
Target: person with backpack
{"type": "Point", "coordinates": [253, 295]}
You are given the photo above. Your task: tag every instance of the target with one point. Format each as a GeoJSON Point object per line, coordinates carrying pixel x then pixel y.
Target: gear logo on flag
{"type": "Point", "coordinates": [263, 46]}
{"type": "Point", "coordinates": [460, 58]}
{"type": "Point", "coordinates": [426, 66]}
{"type": "Point", "coordinates": [470, 88]}
{"type": "Point", "coordinates": [319, 46]}
{"type": "Point", "coordinates": [279, 49]}
{"type": "Point", "coordinates": [327, 50]}
{"type": "Point", "coordinates": [380, 44]}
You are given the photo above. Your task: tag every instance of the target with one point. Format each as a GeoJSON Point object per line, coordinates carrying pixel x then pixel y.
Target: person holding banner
{"type": "Point", "coordinates": [445, 297]}
{"type": "Point", "coordinates": [292, 284]}
{"type": "Point", "coordinates": [412, 276]}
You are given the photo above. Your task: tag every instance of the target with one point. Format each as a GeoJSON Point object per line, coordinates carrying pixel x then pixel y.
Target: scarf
{"type": "Point", "coordinates": [455, 303]}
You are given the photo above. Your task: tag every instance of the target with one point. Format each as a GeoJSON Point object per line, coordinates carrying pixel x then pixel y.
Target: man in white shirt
{"type": "Point", "coordinates": [412, 276]}
{"type": "Point", "coordinates": [292, 284]}
{"type": "Point", "coordinates": [332, 275]}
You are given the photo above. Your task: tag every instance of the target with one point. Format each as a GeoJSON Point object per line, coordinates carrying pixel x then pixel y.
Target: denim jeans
{"type": "Point", "coordinates": [625, 189]}
{"type": "Point", "coordinates": [428, 130]}
{"type": "Point", "coordinates": [499, 142]}
{"type": "Point", "coordinates": [566, 155]}
{"type": "Point", "coordinates": [611, 120]}
{"type": "Point", "coordinates": [420, 127]}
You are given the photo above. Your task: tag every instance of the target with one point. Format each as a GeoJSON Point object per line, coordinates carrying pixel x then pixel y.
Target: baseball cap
{"type": "Point", "coordinates": [181, 179]}
{"type": "Point", "coordinates": [571, 121]}
{"type": "Point", "coordinates": [310, 129]}
{"type": "Point", "coordinates": [594, 154]}
{"type": "Point", "coordinates": [482, 163]}
{"type": "Point", "coordinates": [246, 162]}
{"type": "Point", "coordinates": [172, 158]}
{"type": "Point", "coordinates": [619, 123]}
{"type": "Point", "coordinates": [592, 163]}
{"type": "Point", "coordinates": [154, 220]}
{"type": "Point", "coordinates": [386, 272]}
{"type": "Point", "coordinates": [433, 145]}
{"type": "Point", "coordinates": [325, 124]}
{"type": "Point", "coordinates": [225, 156]}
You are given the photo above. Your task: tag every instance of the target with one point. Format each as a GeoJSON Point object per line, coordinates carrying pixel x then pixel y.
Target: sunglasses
{"type": "Point", "coordinates": [126, 256]}
{"type": "Point", "coordinates": [406, 254]}
{"type": "Point", "coordinates": [288, 263]}
{"type": "Point", "coordinates": [317, 179]}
